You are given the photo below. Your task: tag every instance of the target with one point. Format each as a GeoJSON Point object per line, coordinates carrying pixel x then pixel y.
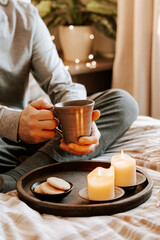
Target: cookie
{"type": "Point", "coordinates": [58, 183]}
{"type": "Point", "coordinates": [38, 189]}
{"type": "Point", "coordinates": [48, 189]}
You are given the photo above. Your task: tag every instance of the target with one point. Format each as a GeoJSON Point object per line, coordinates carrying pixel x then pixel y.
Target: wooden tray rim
{"type": "Point", "coordinates": [60, 207]}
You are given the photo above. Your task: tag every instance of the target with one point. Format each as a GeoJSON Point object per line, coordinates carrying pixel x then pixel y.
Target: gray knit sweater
{"type": "Point", "coordinates": [26, 46]}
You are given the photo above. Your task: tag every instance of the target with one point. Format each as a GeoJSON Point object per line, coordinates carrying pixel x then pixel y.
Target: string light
{"type": "Point", "coordinates": [91, 36]}
{"type": "Point", "coordinates": [94, 64]}
{"type": "Point", "coordinates": [52, 37]}
{"type": "Point", "coordinates": [91, 65]}
{"type": "Point", "coordinates": [67, 67]}
{"type": "Point", "coordinates": [91, 56]}
{"type": "Point", "coordinates": [88, 64]}
{"type": "Point", "coordinates": [77, 60]}
{"type": "Point", "coordinates": [77, 67]}
{"type": "Point", "coordinates": [71, 27]}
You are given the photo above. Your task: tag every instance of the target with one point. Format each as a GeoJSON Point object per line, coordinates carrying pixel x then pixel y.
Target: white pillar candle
{"type": "Point", "coordinates": [101, 184]}
{"type": "Point", "coordinates": [125, 170]}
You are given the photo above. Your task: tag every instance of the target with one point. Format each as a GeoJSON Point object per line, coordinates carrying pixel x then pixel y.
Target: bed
{"type": "Point", "coordinates": [142, 142]}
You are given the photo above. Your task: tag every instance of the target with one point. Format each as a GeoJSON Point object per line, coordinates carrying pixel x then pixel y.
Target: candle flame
{"type": "Point", "coordinates": [99, 172]}
{"type": "Point", "coordinates": [122, 154]}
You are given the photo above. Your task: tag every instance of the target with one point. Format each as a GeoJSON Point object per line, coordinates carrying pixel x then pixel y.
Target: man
{"type": "Point", "coordinates": [28, 130]}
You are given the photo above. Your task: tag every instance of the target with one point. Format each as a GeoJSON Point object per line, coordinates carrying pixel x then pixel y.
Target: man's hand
{"type": "Point", "coordinates": [86, 144]}
{"type": "Point", "coordinates": [36, 123]}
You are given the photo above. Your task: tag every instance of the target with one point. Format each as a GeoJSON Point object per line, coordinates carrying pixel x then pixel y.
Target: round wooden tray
{"type": "Point", "coordinates": [73, 205]}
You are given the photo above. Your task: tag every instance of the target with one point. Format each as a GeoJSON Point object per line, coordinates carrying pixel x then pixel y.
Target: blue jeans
{"type": "Point", "coordinates": [118, 111]}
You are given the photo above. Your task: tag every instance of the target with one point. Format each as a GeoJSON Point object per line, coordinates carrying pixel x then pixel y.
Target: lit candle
{"type": "Point", "coordinates": [101, 184]}
{"type": "Point", "coordinates": [125, 169]}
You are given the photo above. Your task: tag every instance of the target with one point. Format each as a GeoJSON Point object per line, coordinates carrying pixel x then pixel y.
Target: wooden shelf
{"type": "Point", "coordinates": [95, 74]}
{"type": "Point", "coordinates": [97, 64]}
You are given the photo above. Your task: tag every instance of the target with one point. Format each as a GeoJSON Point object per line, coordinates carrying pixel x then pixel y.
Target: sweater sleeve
{"type": "Point", "coordinates": [49, 70]}
{"type": "Point", "coordinates": [9, 121]}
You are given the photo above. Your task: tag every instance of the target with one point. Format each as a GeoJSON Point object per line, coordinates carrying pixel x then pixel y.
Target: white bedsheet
{"type": "Point", "coordinates": [142, 141]}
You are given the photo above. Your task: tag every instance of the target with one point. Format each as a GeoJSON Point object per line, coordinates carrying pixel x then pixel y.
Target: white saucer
{"type": "Point", "coordinates": [140, 178]}
{"type": "Point", "coordinates": [119, 192]}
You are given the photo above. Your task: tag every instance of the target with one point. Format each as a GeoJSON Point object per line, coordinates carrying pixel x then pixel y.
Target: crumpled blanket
{"type": "Point", "coordinates": [142, 141]}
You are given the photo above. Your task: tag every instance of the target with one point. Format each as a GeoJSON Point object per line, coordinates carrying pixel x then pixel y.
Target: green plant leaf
{"type": "Point", "coordinates": [103, 7]}
{"type": "Point", "coordinates": [106, 25]}
{"type": "Point", "coordinates": [101, 13]}
{"type": "Point", "coordinates": [44, 7]}
{"type": "Point", "coordinates": [57, 21]}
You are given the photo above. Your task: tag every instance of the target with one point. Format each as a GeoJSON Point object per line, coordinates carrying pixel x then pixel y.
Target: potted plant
{"type": "Point", "coordinates": [75, 16]}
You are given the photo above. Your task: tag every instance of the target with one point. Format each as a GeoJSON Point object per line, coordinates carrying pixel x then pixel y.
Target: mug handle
{"type": "Point", "coordinates": [57, 130]}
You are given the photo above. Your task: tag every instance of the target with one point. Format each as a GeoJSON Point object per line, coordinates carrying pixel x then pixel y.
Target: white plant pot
{"type": "Point", "coordinates": [76, 42]}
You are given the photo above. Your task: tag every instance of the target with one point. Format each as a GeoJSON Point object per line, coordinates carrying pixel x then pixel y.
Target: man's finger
{"type": "Point", "coordinates": [93, 139]}
{"type": "Point", "coordinates": [81, 148]}
{"type": "Point", "coordinates": [89, 140]}
{"type": "Point", "coordinates": [48, 124]}
{"type": "Point", "coordinates": [95, 115]}
{"type": "Point", "coordinates": [42, 104]}
{"type": "Point", "coordinates": [44, 115]}
{"type": "Point", "coordinates": [77, 149]}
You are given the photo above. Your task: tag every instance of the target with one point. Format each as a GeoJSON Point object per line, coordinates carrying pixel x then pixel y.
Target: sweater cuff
{"type": "Point", "coordinates": [9, 122]}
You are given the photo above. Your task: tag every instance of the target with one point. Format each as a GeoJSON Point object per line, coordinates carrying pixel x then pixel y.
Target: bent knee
{"type": "Point", "coordinates": [128, 107]}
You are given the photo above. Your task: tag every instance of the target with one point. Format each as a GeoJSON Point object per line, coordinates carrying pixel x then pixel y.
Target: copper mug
{"type": "Point", "coordinates": [75, 119]}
